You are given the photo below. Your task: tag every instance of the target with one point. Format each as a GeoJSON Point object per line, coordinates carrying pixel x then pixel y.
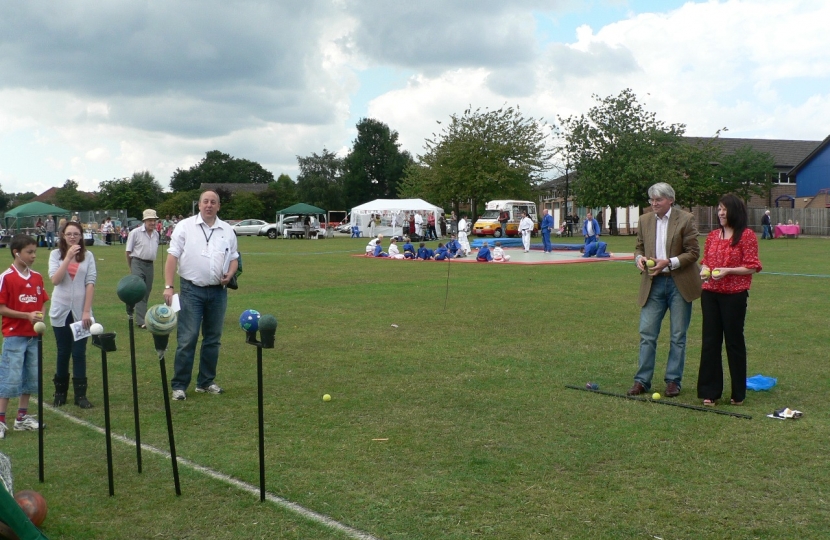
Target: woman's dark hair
{"type": "Point", "coordinates": [21, 242]}
{"type": "Point", "coordinates": [63, 246]}
{"type": "Point", "coordinates": [736, 215]}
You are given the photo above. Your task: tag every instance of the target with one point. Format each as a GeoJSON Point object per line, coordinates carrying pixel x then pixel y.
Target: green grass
{"type": "Point", "coordinates": [484, 440]}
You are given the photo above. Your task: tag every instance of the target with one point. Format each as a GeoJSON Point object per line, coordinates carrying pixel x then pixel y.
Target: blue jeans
{"type": "Point", "coordinates": [50, 239]}
{"type": "Point", "coordinates": [767, 232]}
{"type": "Point", "coordinates": [67, 346]}
{"type": "Point", "coordinates": [18, 367]}
{"type": "Point", "coordinates": [663, 297]}
{"type": "Point", "coordinates": [202, 307]}
{"type": "Point", "coordinates": [546, 240]}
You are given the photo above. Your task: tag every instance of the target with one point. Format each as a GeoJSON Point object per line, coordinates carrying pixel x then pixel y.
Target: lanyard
{"type": "Point", "coordinates": [207, 238]}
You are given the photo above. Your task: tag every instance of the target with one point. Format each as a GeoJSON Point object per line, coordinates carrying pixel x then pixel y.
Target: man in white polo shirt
{"type": "Point", "coordinates": [204, 249]}
{"type": "Point", "coordinates": [142, 246]}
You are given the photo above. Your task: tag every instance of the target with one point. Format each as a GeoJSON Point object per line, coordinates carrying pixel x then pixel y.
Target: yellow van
{"type": "Point", "coordinates": [488, 223]}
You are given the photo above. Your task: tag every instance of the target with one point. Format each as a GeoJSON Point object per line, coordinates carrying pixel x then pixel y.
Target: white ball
{"type": "Point", "coordinates": [96, 329]}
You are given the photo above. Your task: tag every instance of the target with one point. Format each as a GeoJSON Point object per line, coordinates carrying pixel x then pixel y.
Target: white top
{"type": "Point", "coordinates": [70, 293]}
{"type": "Point", "coordinates": [498, 253]}
{"type": "Point", "coordinates": [526, 224]}
{"type": "Point", "coordinates": [393, 250]}
{"type": "Point", "coordinates": [462, 225]}
{"type": "Point", "coordinates": [661, 234]}
{"type": "Point", "coordinates": [142, 245]}
{"type": "Point", "coordinates": [203, 251]}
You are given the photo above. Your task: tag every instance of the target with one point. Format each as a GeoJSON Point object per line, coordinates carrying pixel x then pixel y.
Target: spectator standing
{"type": "Point", "coordinates": [49, 226]}
{"type": "Point", "coordinates": [504, 217]}
{"type": "Point", "coordinates": [73, 273]}
{"type": "Point", "coordinates": [433, 234]}
{"type": "Point", "coordinates": [419, 225]}
{"type": "Point", "coordinates": [106, 230]}
{"type": "Point", "coordinates": [667, 236]}
{"type": "Point", "coordinates": [730, 257]}
{"type": "Point", "coordinates": [767, 225]}
{"type": "Point", "coordinates": [22, 296]}
{"type": "Point", "coordinates": [204, 249]}
{"type": "Point", "coordinates": [142, 248]}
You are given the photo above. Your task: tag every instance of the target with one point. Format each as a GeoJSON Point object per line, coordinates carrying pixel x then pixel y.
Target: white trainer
{"type": "Point", "coordinates": [212, 389]}
{"type": "Point", "coordinates": [29, 423]}
{"type": "Point", "coordinates": [3, 429]}
{"type": "Point", "coordinates": [179, 395]}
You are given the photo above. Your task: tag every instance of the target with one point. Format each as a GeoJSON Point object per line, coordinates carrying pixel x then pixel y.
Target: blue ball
{"type": "Point", "coordinates": [249, 320]}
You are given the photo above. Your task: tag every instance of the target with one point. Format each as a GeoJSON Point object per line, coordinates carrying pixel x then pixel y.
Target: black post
{"type": "Point", "coordinates": [261, 425]}
{"type": "Point", "coordinates": [105, 379]}
{"type": "Point", "coordinates": [170, 436]}
{"type": "Point", "coordinates": [135, 391]}
{"type": "Point", "coordinates": [40, 407]}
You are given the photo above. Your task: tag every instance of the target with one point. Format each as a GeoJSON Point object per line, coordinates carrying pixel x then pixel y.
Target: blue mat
{"type": "Point", "coordinates": [517, 242]}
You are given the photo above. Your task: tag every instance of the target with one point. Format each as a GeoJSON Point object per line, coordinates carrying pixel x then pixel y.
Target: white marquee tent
{"type": "Point", "coordinates": [392, 213]}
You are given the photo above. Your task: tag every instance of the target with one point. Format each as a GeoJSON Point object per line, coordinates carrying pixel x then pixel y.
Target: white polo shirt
{"type": "Point", "coordinates": [201, 250]}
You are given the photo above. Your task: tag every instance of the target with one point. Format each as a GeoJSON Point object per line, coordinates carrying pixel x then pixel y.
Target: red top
{"type": "Point", "coordinates": [719, 253]}
{"type": "Point", "coordinates": [21, 293]}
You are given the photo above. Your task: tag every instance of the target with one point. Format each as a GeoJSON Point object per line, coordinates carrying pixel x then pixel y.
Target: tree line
{"type": "Point", "coordinates": [615, 151]}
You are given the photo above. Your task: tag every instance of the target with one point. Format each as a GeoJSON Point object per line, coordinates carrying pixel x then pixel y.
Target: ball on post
{"type": "Point", "coordinates": [96, 329]}
{"type": "Point", "coordinates": [40, 327]}
{"type": "Point", "coordinates": [249, 320]}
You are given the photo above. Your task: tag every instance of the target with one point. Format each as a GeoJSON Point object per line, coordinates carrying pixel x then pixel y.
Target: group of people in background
{"type": "Point", "coordinates": [73, 274]}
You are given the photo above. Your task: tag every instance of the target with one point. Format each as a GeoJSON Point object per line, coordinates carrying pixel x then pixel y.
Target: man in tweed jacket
{"type": "Point", "coordinates": [668, 237]}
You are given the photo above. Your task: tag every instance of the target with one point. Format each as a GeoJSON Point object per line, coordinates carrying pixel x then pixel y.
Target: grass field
{"type": "Point", "coordinates": [483, 438]}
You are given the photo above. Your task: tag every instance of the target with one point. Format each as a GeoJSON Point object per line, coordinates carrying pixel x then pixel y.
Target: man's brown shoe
{"type": "Point", "coordinates": [637, 389]}
{"type": "Point", "coordinates": [672, 390]}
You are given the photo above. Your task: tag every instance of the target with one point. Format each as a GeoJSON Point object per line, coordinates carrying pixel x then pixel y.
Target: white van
{"type": "Point", "coordinates": [488, 223]}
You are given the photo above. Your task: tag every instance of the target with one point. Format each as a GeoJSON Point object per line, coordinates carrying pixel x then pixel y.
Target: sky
{"type": "Point", "coordinates": [94, 91]}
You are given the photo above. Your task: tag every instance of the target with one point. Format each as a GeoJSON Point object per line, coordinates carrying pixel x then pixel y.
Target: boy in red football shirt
{"type": "Point", "coordinates": [22, 296]}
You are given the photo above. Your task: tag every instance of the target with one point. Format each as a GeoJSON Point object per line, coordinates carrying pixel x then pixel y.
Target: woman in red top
{"type": "Point", "coordinates": [730, 257]}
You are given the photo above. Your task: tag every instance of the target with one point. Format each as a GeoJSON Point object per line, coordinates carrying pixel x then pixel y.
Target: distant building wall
{"type": "Point", "coordinates": [815, 175]}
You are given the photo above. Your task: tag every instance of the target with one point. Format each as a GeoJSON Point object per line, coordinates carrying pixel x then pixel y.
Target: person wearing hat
{"type": "Point", "coordinates": [142, 246]}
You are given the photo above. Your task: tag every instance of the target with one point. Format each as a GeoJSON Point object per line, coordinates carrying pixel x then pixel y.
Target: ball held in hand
{"type": "Point", "coordinates": [650, 263]}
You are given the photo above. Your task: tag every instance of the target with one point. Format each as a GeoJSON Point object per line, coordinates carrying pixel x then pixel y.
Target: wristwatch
{"type": "Point", "coordinates": [168, 286]}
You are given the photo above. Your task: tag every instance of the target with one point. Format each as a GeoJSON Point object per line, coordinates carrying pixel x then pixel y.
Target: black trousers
{"type": "Point", "coordinates": [723, 320]}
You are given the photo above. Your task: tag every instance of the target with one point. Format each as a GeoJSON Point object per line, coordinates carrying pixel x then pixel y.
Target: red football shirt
{"type": "Point", "coordinates": [21, 293]}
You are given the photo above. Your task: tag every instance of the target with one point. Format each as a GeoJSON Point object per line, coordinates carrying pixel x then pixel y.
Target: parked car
{"type": "Point", "coordinates": [249, 227]}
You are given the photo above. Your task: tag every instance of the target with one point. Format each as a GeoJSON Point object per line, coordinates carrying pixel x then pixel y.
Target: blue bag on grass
{"type": "Point", "coordinates": [760, 382]}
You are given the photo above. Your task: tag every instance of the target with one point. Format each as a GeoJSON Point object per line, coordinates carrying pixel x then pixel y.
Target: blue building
{"type": "Point", "coordinates": [812, 176]}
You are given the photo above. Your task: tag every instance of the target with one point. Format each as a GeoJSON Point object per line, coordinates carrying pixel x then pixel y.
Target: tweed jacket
{"type": "Point", "coordinates": [681, 242]}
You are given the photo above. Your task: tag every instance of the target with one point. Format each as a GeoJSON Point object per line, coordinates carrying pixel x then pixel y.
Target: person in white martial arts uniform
{"type": "Point", "coordinates": [462, 235]}
{"type": "Point", "coordinates": [525, 228]}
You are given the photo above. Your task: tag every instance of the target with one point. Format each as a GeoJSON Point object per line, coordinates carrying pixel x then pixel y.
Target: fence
{"type": "Point", "coordinates": [813, 221]}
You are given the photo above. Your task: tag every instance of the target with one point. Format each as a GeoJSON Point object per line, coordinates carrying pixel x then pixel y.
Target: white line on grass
{"type": "Point", "coordinates": [244, 486]}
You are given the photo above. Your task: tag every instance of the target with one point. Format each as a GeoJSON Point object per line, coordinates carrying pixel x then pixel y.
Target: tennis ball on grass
{"type": "Point", "coordinates": [326, 397]}
{"type": "Point", "coordinates": [655, 395]}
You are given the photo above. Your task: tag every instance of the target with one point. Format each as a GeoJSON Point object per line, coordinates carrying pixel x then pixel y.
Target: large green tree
{"type": "Point", "coordinates": [481, 155]}
{"type": "Point", "coordinates": [69, 198]}
{"type": "Point", "coordinates": [619, 149]}
{"type": "Point", "coordinates": [746, 172]}
{"type": "Point", "coordinates": [320, 181]}
{"type": "Point", "coordinates": [218, 167]}
{"type": "Point", "coordinates": [180, 203]}
{"type": "Point", "coordinates": [281, 194]}
{"type": "Point", "coordinates": [374, 165]}
{"type": "Point", "coordinates": [133, 194]}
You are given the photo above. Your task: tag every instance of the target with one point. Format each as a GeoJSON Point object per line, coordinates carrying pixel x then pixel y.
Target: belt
{"type": "Point", "coordinates": [220, 286]}
{"type": "Point", "coordinates": [142, 260]}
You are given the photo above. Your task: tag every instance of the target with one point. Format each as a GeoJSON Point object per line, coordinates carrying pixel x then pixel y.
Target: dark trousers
{"type": "Point", "coordinates": [67, 346]}
{"type": "Point", "coordinates": [723, 320]}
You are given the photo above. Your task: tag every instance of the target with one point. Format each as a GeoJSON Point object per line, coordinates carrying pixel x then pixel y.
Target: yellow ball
{"type": "Point", "coordinates": [650, 263]}
{"type": "Point", "coordinates": [715, 272]}
{"type": "Point", "coordinates": [326, 397]}
{"type": "Point", "coordinates": [655, 395]}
